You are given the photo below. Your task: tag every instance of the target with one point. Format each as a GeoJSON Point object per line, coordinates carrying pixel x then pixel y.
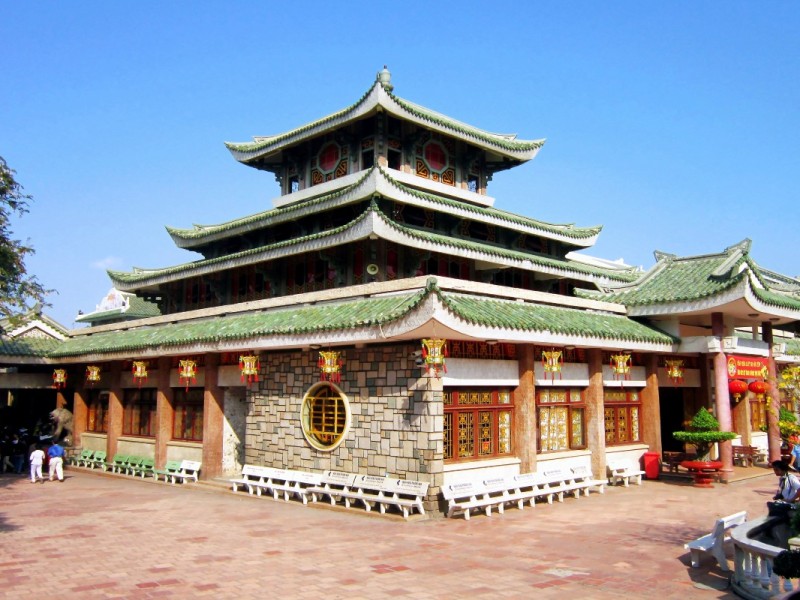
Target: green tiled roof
{"type": "Point", "coordinates": [537, 259]}
{"type": "Point", "coordinates": [688, 279]}
{"type": "Point", "coordinates": [139, 309]}
{"type": "Point", "coordinates": [285, 321]}
{"type": "Point", "coordinates": [501, 142]}
{"type": "Point", "coordinates": [142, 276]}
{"type": "Point", "coordinates": [567, 230]}
{"type": "Point", "coordinates": [790, 301]}
{"type": "Point", "coordinates": [28, 346]}
{"type": "Point", "coordinates": [352, 314]}
{"type": "Point", "coordinates": [565, 321]}
{"type": "Point", "coordinates": [673, 280]}
{"type": "Point", "coordinates": [265, 218]}
{"type": "Point", "coordinates": [287, 213]}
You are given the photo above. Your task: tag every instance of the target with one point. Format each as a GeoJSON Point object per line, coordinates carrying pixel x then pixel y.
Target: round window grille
{"type": "Point", "coordinates": [325, 416]}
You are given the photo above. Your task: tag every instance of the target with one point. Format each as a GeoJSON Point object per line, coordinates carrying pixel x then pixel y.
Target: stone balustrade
{"type": "Point", "coordinates": [752, 576]}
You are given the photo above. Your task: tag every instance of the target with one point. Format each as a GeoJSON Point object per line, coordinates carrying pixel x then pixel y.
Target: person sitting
{"type": "Point", "coordinates": [788, 485]}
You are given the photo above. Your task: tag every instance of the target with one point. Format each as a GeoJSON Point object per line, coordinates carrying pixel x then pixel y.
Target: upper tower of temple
{"type": "Point", "coordinates": [384, 129]}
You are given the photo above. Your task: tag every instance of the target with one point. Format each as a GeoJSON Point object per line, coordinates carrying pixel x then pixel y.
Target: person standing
{"type": "Point", "coordinates": [37, 458]}
{"type": "Point", "coordinates": [794, 458]}
{"type": "Point", "coordinates": [56, 454]}
{"type": "Point", "coordinates": [788, 484]}
{"type": "Point", "coordinates": [17, 454]}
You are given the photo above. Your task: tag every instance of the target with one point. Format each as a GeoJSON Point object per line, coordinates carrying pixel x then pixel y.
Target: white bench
{"type": "Point", "coordinates": [625, 472]}
{"type": "Point", "coordinates": [583, 478]}
{"type": "Point", "coordinates": [334, 485]}
{"type": "Point", "coordinates": [252, 475]}
{"type": "Point", "coordinates": [289, 483]}
{"type": "Point", "coordinates": [188, 471]}
{"type": "Point", "coordinates": [714, 542]}
{"type": "Point", "coordinates": [466, 495]}
{"type": "Point", "coordinates": [558, 482]}
{"type": "Point", "coordinates": [530, 486]}
{"type": "Point", "coordinates": [384, 492]}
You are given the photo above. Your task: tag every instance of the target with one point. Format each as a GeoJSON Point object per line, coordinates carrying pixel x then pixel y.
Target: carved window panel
{"type": "Point", "coordinates": [478, 423]}
{"type": "Point", "coordinates": [561, 417]}
{"type": "Point", "coordinates": [622, 416]}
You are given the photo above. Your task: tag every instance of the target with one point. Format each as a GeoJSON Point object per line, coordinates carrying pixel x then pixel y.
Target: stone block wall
{"type": "Point", "coordinates": [396, 427]}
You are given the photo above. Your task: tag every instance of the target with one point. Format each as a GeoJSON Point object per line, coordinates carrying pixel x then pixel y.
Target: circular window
{"type": "Point", "coordinates": [329, 157]}
{"type": "Point", "coordinates": [325, 416]}
{"type": "Point", "coordinates": [435, 156]}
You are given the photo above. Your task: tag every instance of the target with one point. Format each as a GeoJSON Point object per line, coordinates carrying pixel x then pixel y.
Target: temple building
{"type": "Point", "coordinates": [385, 317]}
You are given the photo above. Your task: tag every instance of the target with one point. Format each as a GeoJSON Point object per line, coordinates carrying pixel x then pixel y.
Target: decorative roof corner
{"type": "Point", "coordinates": [663, 256]}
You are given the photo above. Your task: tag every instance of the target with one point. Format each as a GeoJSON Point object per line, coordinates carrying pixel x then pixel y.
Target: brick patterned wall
{"type": "Point", "coordinates": [396, 415]}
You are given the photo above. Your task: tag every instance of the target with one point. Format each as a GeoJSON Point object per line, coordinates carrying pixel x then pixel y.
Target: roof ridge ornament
{"type": "Point", "coordinates": [665, 256]}
{"type": "Point", "coordinates": [384, 77]}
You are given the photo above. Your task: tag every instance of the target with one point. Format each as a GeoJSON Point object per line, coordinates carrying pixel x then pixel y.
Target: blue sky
{"type": "Point", "coordinates": [674, 125]}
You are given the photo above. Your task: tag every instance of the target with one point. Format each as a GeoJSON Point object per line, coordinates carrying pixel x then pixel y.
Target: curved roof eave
{"type": "Point", "coordinates": [378, 318]}
{"type": "Point", "coordinates": [377, 180]}
{"type": "Point", "coordinates": [377, 96]}
{"type": "Point", "coordinates": [372, 221]}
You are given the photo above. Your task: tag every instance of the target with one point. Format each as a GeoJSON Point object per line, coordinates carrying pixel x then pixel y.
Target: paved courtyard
{"type": "Point", "coordinates": [107, 536]}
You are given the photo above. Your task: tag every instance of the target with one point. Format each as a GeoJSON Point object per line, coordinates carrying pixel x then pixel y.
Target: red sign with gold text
{"type": "Point", "coordinates": [747, 367]}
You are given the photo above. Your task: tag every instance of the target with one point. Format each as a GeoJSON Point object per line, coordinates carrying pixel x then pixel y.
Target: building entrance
{"type": "Point", "coordinates": [671, 401]}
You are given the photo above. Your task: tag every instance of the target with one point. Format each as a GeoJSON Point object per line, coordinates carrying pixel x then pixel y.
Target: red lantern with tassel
{"type": "Point", "coordinates": [759, 388]}
{"type": "Point", "coordinates": [737, 388]}
{"type": "Point", "coordinates": [249, 366]}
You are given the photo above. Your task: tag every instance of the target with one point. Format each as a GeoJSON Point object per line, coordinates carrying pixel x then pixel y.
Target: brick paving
{"type": "Point", "coordinates": [108, 536]}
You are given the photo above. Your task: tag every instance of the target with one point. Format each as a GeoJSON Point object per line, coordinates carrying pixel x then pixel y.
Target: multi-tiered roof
{"type": "Point", "coordinates": [384, 230]}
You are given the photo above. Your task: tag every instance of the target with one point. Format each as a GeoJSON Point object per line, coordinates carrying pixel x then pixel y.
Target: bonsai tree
{"type": "Point", "coordinates": [787, 564]}
{"type": "Point", "coordinates": [703, 432]}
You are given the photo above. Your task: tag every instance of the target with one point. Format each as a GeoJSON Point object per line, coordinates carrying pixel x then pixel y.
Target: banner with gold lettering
{"type": "Point", "coordinates": [747, 367]}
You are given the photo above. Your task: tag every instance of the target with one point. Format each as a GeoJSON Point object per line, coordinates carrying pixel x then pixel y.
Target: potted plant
{"type": "Point", "coordinates": [703, 433]}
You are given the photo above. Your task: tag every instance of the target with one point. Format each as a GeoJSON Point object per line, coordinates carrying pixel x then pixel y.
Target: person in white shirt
{"type": "Point", "coordinates": [788, 485]}
{"type": "Point", "coordinates": [37, 459]}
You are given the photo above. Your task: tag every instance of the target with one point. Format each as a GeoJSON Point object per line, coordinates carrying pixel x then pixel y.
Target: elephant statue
{"type": "Point", "coordinates": [62, 424]}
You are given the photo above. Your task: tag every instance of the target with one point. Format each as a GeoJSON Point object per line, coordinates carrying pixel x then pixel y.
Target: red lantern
{"type": "Point", "coordinates": [737, 388]}
{"type": "Point", "coordinates": [187, 371]}
{"type": "Point", "coordinates": [249, 366]}
{"type": "Point", "coordinates": [60, 378]}
{"type": "Point", "coordinates": [759, 388]}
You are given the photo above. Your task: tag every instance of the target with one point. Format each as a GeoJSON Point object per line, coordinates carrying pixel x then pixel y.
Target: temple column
{"type": "Point", "coordinates": [774, 404]}
{"type": "Point", "coordinates": [650, 418]}
{"type": "Point", "coordinates": [525, 411]}
{"type": "Point", "coordinates": [213, 419]}
{"type": "Point", "coordinates": [80, 414]}
{"type": "Point", "coordinates": [722, 395]}
{"type": "Point", "coordinates": [115, 409]}
{"type": "Point", "coordinates": [165, 411]}
{"type": "Point", "coordinates": [595, 416]}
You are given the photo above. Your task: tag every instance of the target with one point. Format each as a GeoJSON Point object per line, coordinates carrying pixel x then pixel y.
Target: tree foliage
{"type": "Point", "coordinates": [789, 384]}
{"type": "Point", "coordinates": [18, 289]}
{"type": "Point", "coordinates": [703, 433]}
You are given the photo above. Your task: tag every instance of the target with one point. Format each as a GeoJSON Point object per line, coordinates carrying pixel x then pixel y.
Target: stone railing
{"type": "Point", "coordinates": [752, 576]}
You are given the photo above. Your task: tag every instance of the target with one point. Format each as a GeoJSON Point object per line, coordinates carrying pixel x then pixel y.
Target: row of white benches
{"type": "Point", "coordinates": [350, 488]}
{"type": "Point", "coordinates": [495, 493]}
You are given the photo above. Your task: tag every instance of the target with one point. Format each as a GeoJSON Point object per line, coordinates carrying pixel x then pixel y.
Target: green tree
{"type": "Point", "coordinates": [18, 289]}
{"type": "Point", "coordinates": [703, 433]}
{"type": "Point", "coordinates": [789, 384]}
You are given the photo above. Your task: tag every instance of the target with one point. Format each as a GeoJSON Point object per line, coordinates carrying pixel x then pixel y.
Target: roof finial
{"type": "Point", "coordinates": [385, 79]}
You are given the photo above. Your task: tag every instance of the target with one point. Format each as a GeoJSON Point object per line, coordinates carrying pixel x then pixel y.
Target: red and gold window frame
{"type": "Point", "coordinates": [478, 423]}
{"type": "Point", "coordinates": [561, 419]}
{"type": "Point", "coordinates": [622, 415]}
